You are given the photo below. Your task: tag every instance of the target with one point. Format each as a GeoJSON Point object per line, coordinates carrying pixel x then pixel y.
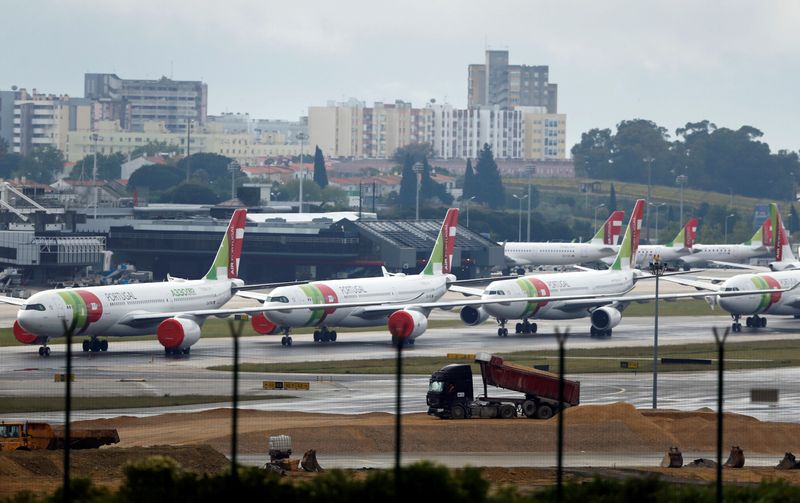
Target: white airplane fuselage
{"type": "Point", "coordinates": [568, 283]}
{"type": "Point", "coordinates": [723, 252]}
{"type": "Point", "coordinates": [387, 289]}
{"type": "Point", "coordinates": [780, 303]}
{"type": "Point", "coordinates": [523, 254]}
{"type": "Point", "coordinates": [96, 311]}
{"type": "Point", "coordinates": [646, 253]}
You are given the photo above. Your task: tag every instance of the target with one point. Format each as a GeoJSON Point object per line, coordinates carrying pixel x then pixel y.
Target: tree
{"type": "Point", "coordinates": [190, 193]}
{"type": "Point", "coordinates": [9, 164]}
{"type": "Point", "coordinates": [408, 184]}
{"type": "Point", "coordinates": [42, 165]}
{"type": "Point", "coordinates": [430, 189]}
{"type": "Point", "coordinates": [417, 151]}
{"type": "Point", "coordinates": [109, 167]}
{"type": "Point", "coordinates": [489, 185]}
{"type": "Point", "coordinates": [469, 181]}
{"type": "Point", "coordinates": [155, 177]}
{"type": "Point", "coordinates": [612, 199]}
{"type": "Point", "coordinates": [320, 173]}
{"type": "Point", "coordinates": [3, 147]}
{"type": "Point", "coordinates": [216, 168]}
{"type": "Point", "coordinates": [794, 220]}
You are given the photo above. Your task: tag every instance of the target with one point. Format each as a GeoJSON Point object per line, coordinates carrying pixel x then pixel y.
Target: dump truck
{"type": "Point", "coordinates": [29, 436]}
{"type": "Point", "coordinates": [450, 391]}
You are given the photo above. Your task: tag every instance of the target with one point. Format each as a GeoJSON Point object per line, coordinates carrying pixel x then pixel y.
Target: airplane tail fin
{"type": "Point", "coordinates": [442, 255]}
{"type": "Point", "coordinates": [761, 237]}
{"type": "Point", "coordinates": [685, 238]}
{"type": "Point", "coordinates": [783, 250]}
{"type": "Point", "coordinates": [626, 256]}
{"type": "Point", "coordinates": [609, 233]}
{"type": "Point", "coordinates": [226, 263]}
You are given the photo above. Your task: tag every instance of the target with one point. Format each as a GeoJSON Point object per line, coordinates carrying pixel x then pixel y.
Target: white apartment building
{"type": "Point", "coordinates": [352, 130]}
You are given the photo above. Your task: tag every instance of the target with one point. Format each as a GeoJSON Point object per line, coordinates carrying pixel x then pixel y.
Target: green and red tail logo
{"type": "Point", "coordinates": [533, 287]}
{"type": "Point", "coordinates": [766, 282]}
{"type": "Point", "coordinates": [609, 233]}
{"type": "Point", "coordinates": [626, 256]}
{"type": "Point", "coordinates": [441, 258]}
{"type": "Point", "coordinates": [226, 263]}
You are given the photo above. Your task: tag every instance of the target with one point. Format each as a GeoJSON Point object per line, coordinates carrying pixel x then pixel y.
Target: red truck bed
{"type": "Point", "coordinates": [526, 380]}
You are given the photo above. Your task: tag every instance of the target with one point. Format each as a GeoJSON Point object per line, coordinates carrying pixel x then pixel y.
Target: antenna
{"type": "Point", "coordinates": [171, 70]}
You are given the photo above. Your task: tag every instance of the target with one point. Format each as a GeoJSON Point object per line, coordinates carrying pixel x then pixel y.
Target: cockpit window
{"type": "Point", "coordinates": [280, 298]}
{"type": "Point", "coordinates": [34, 307]}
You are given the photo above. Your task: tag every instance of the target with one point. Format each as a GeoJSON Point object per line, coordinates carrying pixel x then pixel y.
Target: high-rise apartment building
{"type": "Point", "coordinates": [7, 117]}
{"type": "Point", "coordinates": [497, 83]}
{"type": "Point", "coordinates": [353, 130]}
{"type": "Point", "coordinates": [134, 102]}
{"type": "Point", "coordinates": [44, 119]}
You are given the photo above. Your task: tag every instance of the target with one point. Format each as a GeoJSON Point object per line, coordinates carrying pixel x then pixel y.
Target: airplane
{"type": "Point", "coordinates": [671, 252]}
{"type": "Point", "coordinates": [756, 246]}
{"type": "Point", "coordinates": [174, 310]}
{"type": "Point", "coordinates": [398, 300]}
{"type": "Point", "coordinates": [603, 244]}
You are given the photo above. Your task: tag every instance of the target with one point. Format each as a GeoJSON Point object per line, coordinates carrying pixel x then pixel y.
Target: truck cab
{"type": "Point", "coordinates": [450, 391]}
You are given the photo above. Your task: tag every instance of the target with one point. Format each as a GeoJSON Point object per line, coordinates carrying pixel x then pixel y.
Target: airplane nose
{"type": "Point", "coordinates": [27, 320]}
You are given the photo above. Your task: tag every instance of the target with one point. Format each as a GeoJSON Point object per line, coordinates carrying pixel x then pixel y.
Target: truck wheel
{"type": "Point", "coordinates": [529, 408]}
{"type": "Point", "coordinates": [457, 412]}
{"type": "Point", "coordinates": [544, 412]}
{"type": "Point", "coordinates": [507, 411]}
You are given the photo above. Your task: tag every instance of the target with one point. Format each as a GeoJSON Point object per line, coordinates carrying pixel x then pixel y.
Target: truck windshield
{"type": "Point", "coordinates": [436, 386]}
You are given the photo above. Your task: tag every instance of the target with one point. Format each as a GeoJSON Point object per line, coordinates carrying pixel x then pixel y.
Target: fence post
{"type": "Point", "coordinates": [236, 332]}
{"type": "Point", "coordinates": [720, 339]}
{"type": "Point", "coordinates": [400, 342]}
{"type": "Point", "coordinates": [561, 337]}
{"type": "Point", "coordinates": [67, 412]}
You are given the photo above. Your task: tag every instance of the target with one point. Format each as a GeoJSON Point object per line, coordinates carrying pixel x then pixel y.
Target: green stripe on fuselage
{"type": "Point", "coordinates": [80, 315]}
{"type": "Point", "coordinates": [529, 291]}
{"type": "Point", "coordinates": [766, 298]}
{"type": "Point", "coordinates": [316, 297]}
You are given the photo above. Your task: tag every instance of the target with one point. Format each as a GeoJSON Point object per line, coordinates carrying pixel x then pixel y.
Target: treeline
{"type": "Point", "coordinates": [712, 158]}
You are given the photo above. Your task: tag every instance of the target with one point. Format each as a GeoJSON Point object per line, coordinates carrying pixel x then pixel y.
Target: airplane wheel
{"type": "Point", "coordinates": [316, 336]}
{"type": "Point", "coordinates": [499, 332]}
{"type": "Point", "coordinates": [86, 346]}
{"type": "Point", "coordinates": [519, 328]}
{"type": "Point", "coordinates": [46, 351]}
{"type": "Point", "coordinates": [505, 332]}
{"type": "Point", "coordinates": [534, 328]}
{"type": "Point", "coordinates": [185, 351]}
{"type": "Point", "coordinates": [749, 322]}
{"type": "Point", "coordinates": [283, 340]}
{"type": "Point", "coordinates": [333, 336]}
{"type": "Point", "coordinates": [288, 341]}
{"type": "Point", "coordinates": [763, 322]}
{"type": "Point", "coordinates": [592, 332]}
{"type": "Point", "coordinates": [607, 333]}
{"type": "Point", "coordinates": [104, 346]}
{"type": "Point", "coordinates": [41, 351]}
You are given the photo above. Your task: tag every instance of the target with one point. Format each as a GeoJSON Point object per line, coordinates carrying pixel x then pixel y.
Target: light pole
{"type": "Point", "coordinates": [649, 161]}
{"type": "Point", "coordinates": [95, 137]}
{"type": "Point", "coordinates": [519, 227]}
{"type": "Point", "coordinates": [726, 226]}
{"type": "Point", "coordinates": [301, 136]}
{"type": "Point", "coordinates": [232, 167]}
{"type": "Point", "coordinates": [601, 205]}
{"type": "Point", "coordinates": [188, 142]}
{"type": "Point", "coordinates": [656, 206]}
{"type": "Point", "coordinates": [531, 169]}
{"type": "Point", "coordinates": [467, 206]}
{"type": "Point", "coordinates": [681, 180]}
{"type": "Point", "coordinates": [418, 167]}
{"type": "Point", "coordinates": [657, 269]}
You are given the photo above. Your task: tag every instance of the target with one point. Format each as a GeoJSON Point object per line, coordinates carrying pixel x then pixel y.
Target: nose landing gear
{"type": "Point", "coordinates": [286, 340]}
{"type": "Point", "coordinates": [736, 326]}
{"type": "Point", "coordinates": [502, 331]}
{"type": "Point", "coordinates": [44, 351]}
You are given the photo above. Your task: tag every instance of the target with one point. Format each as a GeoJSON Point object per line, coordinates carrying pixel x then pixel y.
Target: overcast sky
{"type": "Point", "coordinates": [732, 62]}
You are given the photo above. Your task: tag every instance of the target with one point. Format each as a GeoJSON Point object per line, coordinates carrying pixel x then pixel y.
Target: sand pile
{"type": "Point", "coordinates": [613, 428]}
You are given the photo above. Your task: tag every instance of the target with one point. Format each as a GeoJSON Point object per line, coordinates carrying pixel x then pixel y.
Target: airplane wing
{"type": "Point", "coordinates": [12, 300]}
{"type": "Point", "coordinates": [700, 285]}
{"type": "Point", "coordinates": [467, 291]}
{"type": "Point", "coordinates": [737, 265]}
{"type": "Point", "coordinates": [261, 297]}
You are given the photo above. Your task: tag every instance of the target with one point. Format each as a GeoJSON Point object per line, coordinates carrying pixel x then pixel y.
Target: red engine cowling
{"type": "Point", "coordinates": [262, 325]}
{"type": "Point", "coordinates": [26, 337]}
{"type": "Point", "coordinates": [407, 323]}
{"type": "Point", "coordinates": [178, 333]}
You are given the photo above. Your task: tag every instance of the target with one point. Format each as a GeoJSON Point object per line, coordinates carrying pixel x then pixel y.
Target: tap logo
{"type": "Point", "coordinates": [765, 282]}
{"type": "Point", "coordinates": [533, 287]}
{"type": "Point", "coordinates": [86, 309]}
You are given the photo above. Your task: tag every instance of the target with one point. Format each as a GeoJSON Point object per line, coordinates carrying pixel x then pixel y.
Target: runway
{"type": "Point", "coordinates": [136, 368]}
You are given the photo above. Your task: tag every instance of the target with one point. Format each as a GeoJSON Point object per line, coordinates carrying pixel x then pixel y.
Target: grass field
{"type": "Point", "coordinates": [11, 405]}
{"type": "Point", "coordinates": [739, 355]}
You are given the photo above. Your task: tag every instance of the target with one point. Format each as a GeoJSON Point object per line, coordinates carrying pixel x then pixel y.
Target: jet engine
{"type": "Point", "coordinates": [473, 315]}
{"type": "Point", "coordinates": [262, 325]}
{"type": "Point", "coordinates": [178, 334]}
{"type": "Point", "coordinates": [407, 323]}
{"type": "Point", "coordinates": [606, 318]}
{"type": "Point", "coordinates": [26, 337]}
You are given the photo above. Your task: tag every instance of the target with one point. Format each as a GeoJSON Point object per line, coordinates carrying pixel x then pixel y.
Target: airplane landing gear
{"type": "Point", "coordinates": [526, 327]}
{"type": "Point", "coordinates": [94, 345]}
{"type": "Point", "coordinates": [286, 340]}
{"type": "Point", "coordinates": [44, 351]}
{"type": "Point", "coordinates": [502, 331]}
{"type": "Point", "coordinates": [756, 322]}
{"type": "Point", "coordinates": [324, 335]}
{"type": "Point", "coordinates": [736, 326]}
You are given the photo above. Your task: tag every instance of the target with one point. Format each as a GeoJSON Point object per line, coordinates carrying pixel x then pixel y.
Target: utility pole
{"type": "Point", "coordinates": [531, 171]}
{"type": "Point", "coordinates": [418, 168]}
{"type": "Point", "coordinates": [301, 136]}
{"type": "Point", "coordinates": [95, 137]}
{"type": "Point", "coordinates": [188, 141]}
{"type": "Point", "coordinates": [649, 161]}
